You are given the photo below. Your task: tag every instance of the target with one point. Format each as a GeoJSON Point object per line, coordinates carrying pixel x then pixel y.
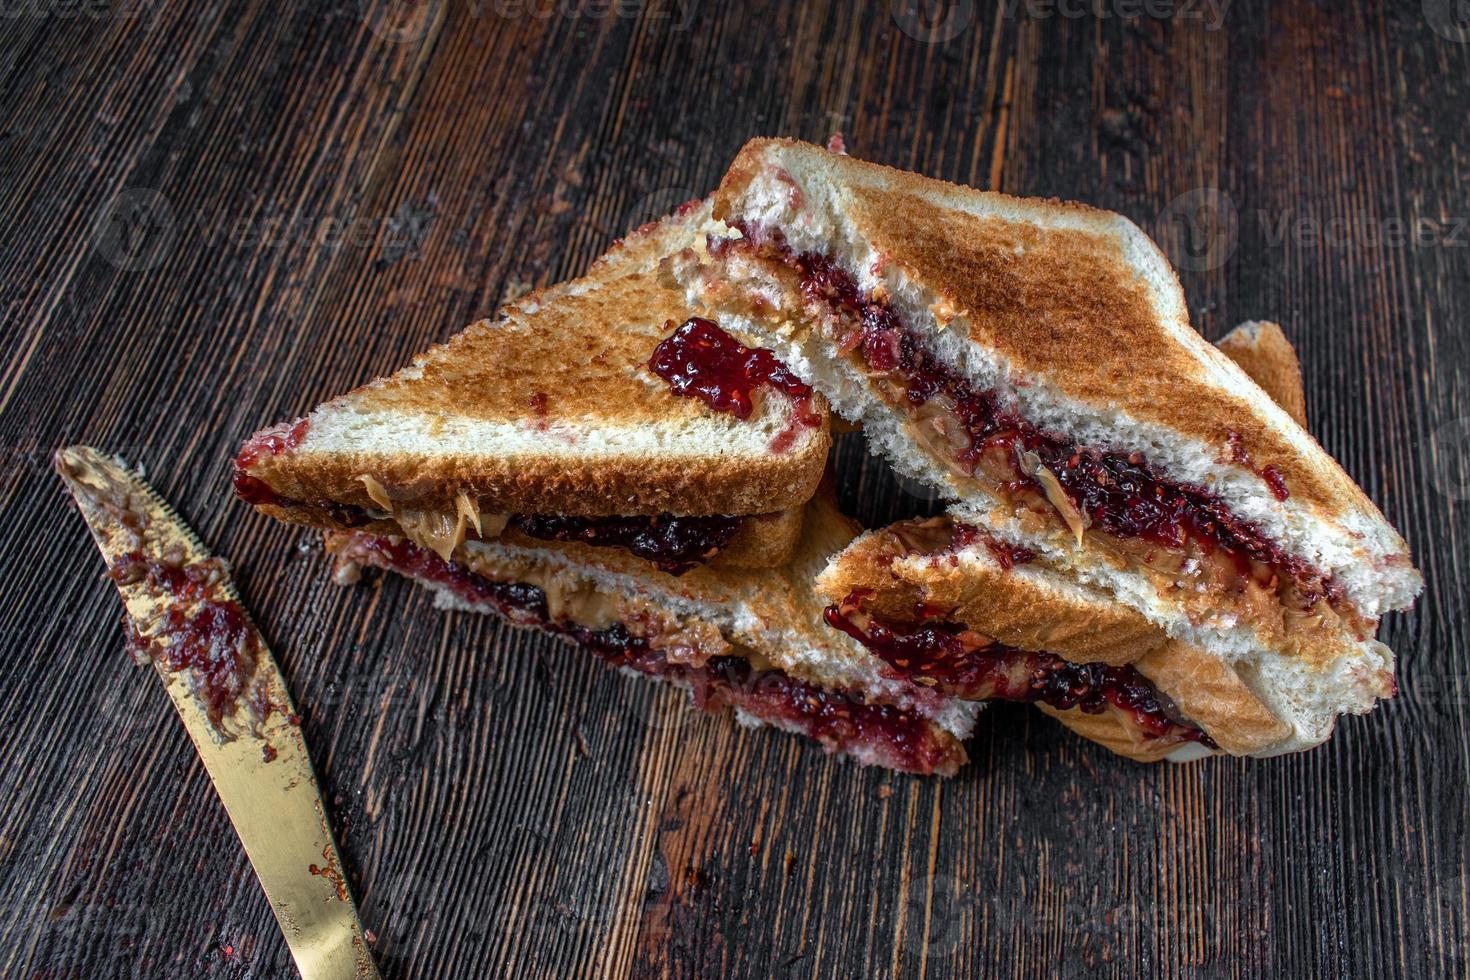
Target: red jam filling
{"type": "Point", "coordinates": [267, 442]}
{"type": "Point", "coordinates": [1007, 554]}
{"type": "Point", "coordinates": [1122, 494]}
{"type": "Point", "coordinates": [1240, 455]}
{"type": "Point", "coordinates": [520, 603]}
{"type": "Point", "coordinates": [209, 637]}
{"type": "Point", "coordinates": [965, 664]}
{"type": "Point", "coordinates": [673, 544]}
{"type": "Point", "coordinates": [900, 738]}
{"type": "Point", "coordinates": [699, 360]}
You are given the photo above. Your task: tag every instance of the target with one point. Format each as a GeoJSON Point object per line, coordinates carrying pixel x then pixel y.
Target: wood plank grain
{"type": "Point", "coordinates": [343, 185]}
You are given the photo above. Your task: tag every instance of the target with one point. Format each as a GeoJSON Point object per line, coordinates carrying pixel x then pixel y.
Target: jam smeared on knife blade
{"type": "Point", "coordinates": [700, 360]}
{"type": "Point", "coordinates": [199, 631]}
{"type": "Point", "coordinates": [839, 720]}
{"type": "Point", "coordinates": [1117, 493]}
{"type": "Point", "coordinates": [674, 544]}
{"type": "Point", "coordinates": [970, 665]}
{"type": "Point", "coordinates": [267, 442]}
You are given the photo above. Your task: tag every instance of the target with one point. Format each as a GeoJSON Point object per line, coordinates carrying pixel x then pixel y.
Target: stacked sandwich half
{"type": "Point", "coordinates": [1142, 542]}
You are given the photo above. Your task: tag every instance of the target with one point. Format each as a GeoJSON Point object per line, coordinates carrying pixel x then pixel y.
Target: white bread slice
{"type": "Point", "coordinates": [552, 409]}
{"type": "Point", "coordinates": [772, 618]}
{"type": "Point", "coordinates": [1261, 705]}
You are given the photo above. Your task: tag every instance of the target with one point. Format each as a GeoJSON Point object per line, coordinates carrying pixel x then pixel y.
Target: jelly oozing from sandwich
{"type": "Point", "coordinates": [1120, 495]}
{"type": "Point", "coordinates": [963, 663]}
{"type": "Point", "coordinates": [674, 544]}
{"type": "Point", "coordinates": [894, 736]}
{"type": "Point", "coordinates": [700, 360]}
{"type": "Point", "coordinates": [267, 442]}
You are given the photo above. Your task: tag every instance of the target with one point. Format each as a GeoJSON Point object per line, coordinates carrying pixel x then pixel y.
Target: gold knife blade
{"type": "Point", "coordinates": [185, 617]}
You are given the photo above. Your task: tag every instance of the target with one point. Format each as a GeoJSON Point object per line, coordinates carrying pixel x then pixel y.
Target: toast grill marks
{"type": "Point", "coordinates": [886, 734]}
{"type": "Point", "coordinates": [1136, 508]}
{"type": "Point", "coordinates": [963, 663]}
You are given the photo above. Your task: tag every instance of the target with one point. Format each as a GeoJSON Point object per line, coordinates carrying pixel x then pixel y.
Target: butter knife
{"type": "Point", "coordinates": [185, 618]}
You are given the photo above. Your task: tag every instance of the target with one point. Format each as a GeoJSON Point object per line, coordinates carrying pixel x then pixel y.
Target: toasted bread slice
{"type": "Point", "coordinates": [552, 409]}
{"type": "Point", "coordinates": [1066, 317]}
{"type": "Point", "coordinates": [751, 640]}
{"type": "Point", "coordinates": [1263, 352]}
{"type": "Point", "coordinates": [1006, 350]}
{"type": "Point", "coordinates": [912, 568]}
{"type": "Point", "coordinates": [928, 567]}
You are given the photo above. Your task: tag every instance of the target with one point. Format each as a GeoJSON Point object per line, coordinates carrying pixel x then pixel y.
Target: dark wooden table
{"type": "Point", "coordinates": [216, 214]}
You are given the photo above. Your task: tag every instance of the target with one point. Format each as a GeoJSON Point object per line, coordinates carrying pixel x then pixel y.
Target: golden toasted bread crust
{"type": "Point", "coordinates": [988, 598]}
{"type": "Point", "coordinates": [998, 602]}
{"type": "Point", "coordinates": [1213, 696]}
{"type": "Point", "coordinates": [582, 488]}
{"type": "Point", "coordinates": [578, 357]}
{"type": "Point", "coordinates": [1050, 287]}
{"type": "Point", "coordinates": [1113, 729]}
{"type": "Point", "coordinates": [762, 540]}
{"type": "Point", "coordinates": [1263, 352]}
{"type": "Point", "coordinates": [1013, 608]}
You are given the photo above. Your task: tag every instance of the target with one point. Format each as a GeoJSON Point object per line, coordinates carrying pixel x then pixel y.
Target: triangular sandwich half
{"type": "Point", "coordinates": [1033, 361]}
{"type": "Point", "coordinates": [603, 409]}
